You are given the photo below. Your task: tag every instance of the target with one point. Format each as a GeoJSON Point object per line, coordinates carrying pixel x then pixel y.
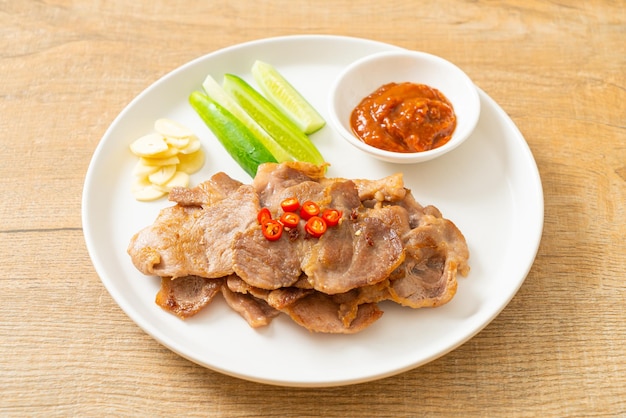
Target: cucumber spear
{"type": "Point", "coordinates": [242, 145]}
{"type": "Point", "coordinates": [283, 130]}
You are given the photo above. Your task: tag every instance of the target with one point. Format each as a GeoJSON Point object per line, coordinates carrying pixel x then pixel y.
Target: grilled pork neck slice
{"type": "Point", "coordinates": [195, 240]}
{"type": "Point", "coordinates": [186, 296]}
{"type": "Point", "coordinates": [362, 251]}
{"type": "Point", "coordinates": [387, 247]}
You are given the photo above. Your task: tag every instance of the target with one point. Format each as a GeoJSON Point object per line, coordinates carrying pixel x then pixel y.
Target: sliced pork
{"type": "Point", "coordinates": [436, 252]}
{"type": "Point", "coordinates": [386, 247]}
{"type": "Point", "coordinates": [186, 296]}
{"type": "Point", "coordinates": [358, 254]}
{"type": "Point", "coordinates": [254, 310]}
{"type": "Point", "coordinates": [265, 264]}
{"type": "Point", "coordinates": [191, 240]}
{"type": "Point", "coordinates": [343, 313]}
{"type": "Point", "coordinates": [206, 193]}
{"type": "Point", "coordinates": [318, 312]}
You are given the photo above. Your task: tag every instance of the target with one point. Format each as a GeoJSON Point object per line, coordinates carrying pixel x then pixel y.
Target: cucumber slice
{"type": "Point", "coordinates": [285, 132]}
{"type": "Point", "coordinates": [234, 136]}
{"type": "Point", "coordinates": [285, 97]}
{"type": "Point", "coordinates": [215, 91]}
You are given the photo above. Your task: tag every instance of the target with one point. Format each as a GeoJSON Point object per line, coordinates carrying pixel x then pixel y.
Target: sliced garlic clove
{"type": "Point", "coordinates": [166, 159]}
{"type": "Point", "coordinates": [191, 163]}
{"type": "Point", "coordinates": [143, 170]}
{"type": "Point", "coordinates": [193, 146]}
{"type": "Point", "coordinates": [169, 152]}
{"type": "Point", "coordinates": [178, 143]}
{"type": "Point", "coordinates": [168, 127]}
{"type": "Point", "coordinates": [162, 175]}
{"type": "Point", "coordinates": [145, 191]}
{"type": "Point", "coordinates": [159, 162]}
{"type": "Point", "coordinates": [149, 145]}
{"type": "Point", "coordinates": [180, 179]}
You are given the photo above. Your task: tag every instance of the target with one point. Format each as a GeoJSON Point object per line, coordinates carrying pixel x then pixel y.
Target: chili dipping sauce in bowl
{"type": "Point", "coordinates": [404, 106]}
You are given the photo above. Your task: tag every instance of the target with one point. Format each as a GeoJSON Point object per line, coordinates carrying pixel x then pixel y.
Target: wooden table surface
{"type": "Point", "coordinates": [558, 68]}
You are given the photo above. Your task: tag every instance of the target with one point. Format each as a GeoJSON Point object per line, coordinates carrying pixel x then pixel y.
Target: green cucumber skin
{"type": "Point", "coordinates": [315, 124]}
{"type": "Point", "coordinates": [215, 92]}
{"type": "Point", "coordinates": [282, 129]}
{"type": "Point", "coordinates": [234, 136]}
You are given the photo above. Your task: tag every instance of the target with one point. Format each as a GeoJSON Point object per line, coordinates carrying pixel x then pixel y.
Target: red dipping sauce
{"type": "Point", "coordinates": [404, 117]}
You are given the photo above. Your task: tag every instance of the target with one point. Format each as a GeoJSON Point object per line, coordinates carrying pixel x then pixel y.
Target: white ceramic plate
{"type": "Point", "coordinates": [489, 187]}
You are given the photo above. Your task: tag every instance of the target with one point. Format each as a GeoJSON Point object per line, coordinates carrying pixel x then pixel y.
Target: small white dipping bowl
{"type": "Point", "coordinates": [366, 75]}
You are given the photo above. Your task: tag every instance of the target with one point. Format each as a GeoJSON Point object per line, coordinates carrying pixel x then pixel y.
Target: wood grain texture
{"type": "Point", "coordinates": [556, 67]}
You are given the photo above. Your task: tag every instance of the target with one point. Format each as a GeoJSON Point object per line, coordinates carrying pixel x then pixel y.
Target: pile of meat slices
{"type": "Point", "coordinates": [387, 247]}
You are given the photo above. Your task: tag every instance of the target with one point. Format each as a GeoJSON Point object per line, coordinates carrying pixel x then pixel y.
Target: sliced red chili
{"type": "Point", "coordinates": [263, 216]}
{"type": "Point", "coordinates": [309, 209]}
{"type": "Point", "coordinates": [272, 229]}
{"type": "Point", "coordinates": [289, 219]}
{"type": "Point", "coordinates": [331, 216]}
{"type": "Point", "coordinates": [315, 226]}
{"type": "Point", "coordinates": [290, 204]}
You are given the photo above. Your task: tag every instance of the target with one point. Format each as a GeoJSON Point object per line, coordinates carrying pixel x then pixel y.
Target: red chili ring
{"type": "Point", "coordinates": [290, 219]}
{"type": "Point", "coordinates": [309, 209]}
{"type": "Point", "coordinates": [272, 230]}
{"type": "Point", "coordinates": [315, 226]}
{"type": "Point", "coordinates": [332, 216]}
{"type": "Point", "coordinates": [263, 216]}
{"type": "Point", "coordinates": [290, 204]}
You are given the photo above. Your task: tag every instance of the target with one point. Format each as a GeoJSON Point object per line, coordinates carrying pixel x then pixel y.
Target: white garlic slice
{"type": "Point", "coordinates": [168, 127]}
{"type": "Point", "coordinates": [149, 145]}
{"type": "Point", "coordinates": [180, 179]}
{"type": "Point", "coordinates": [145, 191]}
{"type": "Point", "coordinates": [191, 163]}
{"type": "Point", "coordinates": [163, 174]}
